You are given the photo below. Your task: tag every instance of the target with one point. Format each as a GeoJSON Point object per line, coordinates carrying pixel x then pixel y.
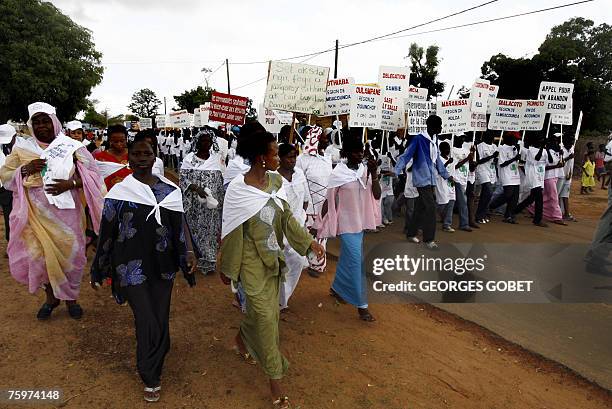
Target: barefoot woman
{"type": "Point", "coordinates": [256, 220]}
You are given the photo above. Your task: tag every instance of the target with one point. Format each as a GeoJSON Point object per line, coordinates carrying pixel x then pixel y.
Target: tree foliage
{"type": "Point", "coordinates": [576, 51]}
{"type": "Point", "coordinates": [100, 119]}
{"type": "Point", "coordinates": [144, 103]}
{"type": "Point", "coordinates": [191, 99]}
{"type": "Point", "coordinates": [45, 57]}
{"type": "Point", "coordinates": [424, 71]}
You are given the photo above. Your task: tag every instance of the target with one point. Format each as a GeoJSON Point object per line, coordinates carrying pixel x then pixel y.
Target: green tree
{"type": "Point", "coordinates": [144, 103]}
{"type": "Point", "coordinates": [191, 99]}
{"type": "Point", "coordinates": [576, 51]}
{"type": "Point", "coordinates": [45, 57]}
{"type": "Point", "coordinates": [100, 119]}
{"type": "Point", "coordinates": [424, 68]}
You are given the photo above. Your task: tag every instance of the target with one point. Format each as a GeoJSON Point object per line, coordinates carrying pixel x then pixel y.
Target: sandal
{"type": "Point", "coordinates": [247, 357]}
{"type": "Point", "coordinates": [364, 314]}
{"type": "Point", "coordinates": [152, 394]}
{"type": "Point", "coordinates": [45, 311]}
{"type": "Point", "coordinates": [75, 311]}
{"type": "Point", "coordinates": [282, 403]}
{"type": "Point", "coordinates": [336, 296]}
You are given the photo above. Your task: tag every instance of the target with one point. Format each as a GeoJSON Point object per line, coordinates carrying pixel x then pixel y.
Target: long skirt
{"type": "Point", "coordinates": [295, 265]}
{"type": "Point", "coordinates": [350, 282]}
{"type": "Point", "coordinates": [551, 209]}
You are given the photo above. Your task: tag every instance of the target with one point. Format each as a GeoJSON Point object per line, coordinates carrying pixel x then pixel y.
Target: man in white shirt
{"type": "Point", "coordinates": [509, 176]}
{"type": "Point", "coordinates": [486, 153]}
{"type": "Point", "coordinates": [535, 168]}
{"type": "Point", "coordinates": [461, 158]}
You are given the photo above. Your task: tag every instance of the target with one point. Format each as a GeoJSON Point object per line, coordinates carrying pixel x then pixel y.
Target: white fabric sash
{"type": "Point", "coordinates": [108, 168]}
{"type": "Point", "coordinates": [192, 162]}
{"type": "Point", "coordinates": [131, 190]}
{"type": "Point", "coordinates": [235, 167]}
{"type": "Point", "coordinates": [60, 165]}
{"type": "Point", "coordinates": [243, 201]}
{"type": "Point", "coordinates": [342, 175]}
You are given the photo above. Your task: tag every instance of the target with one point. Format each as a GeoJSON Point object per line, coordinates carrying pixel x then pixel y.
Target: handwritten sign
{"type": "Point", "coordinates": [507, 115]}
{"type": "Point", "coordinates": [392, 114]}
{"type": "Point", "coordinates": [455, 114]}
{"type": "Point", "coordinates": [533, 117]}
{"type": "Point", "coordinates": [227, 108]}
{"type": "Point", "coordinates": [296, 87]}
{"type": "Point", "coordinates": [479, 95]}
{"type": "Point", "coordinates": [180, 119]}
{"type": "Point", "coordinates": [478, 121]}
{"type": "Point", "coordinates": [557, 96]}
{"type": "Point", "coordinates": [493, 90]}
{"type": "Point", "coordinates": [418, 112]}
{"type": "Point", "coordinates": [366, 106]}
{"type": "Point", "coordinates": [161, 121]}
{"type": "Point", "coordinates": [394, 81]}
{"type": "Point", "coordinates": [338, 96]}
{"type": "Point", "coordinates": [145, 123]}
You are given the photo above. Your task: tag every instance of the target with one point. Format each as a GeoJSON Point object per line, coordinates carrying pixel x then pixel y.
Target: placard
{"type": "Point", "coordinates": [230, 109]}
{"type": "Point", "coordinates": [417, 94]}
{"type": "Point", "coordinates": [296, 87]}
{"type": "Point", "coordinates": [418, 112]}
{"type": "Point", "coordinates": [479, 95]}
{"type": "Point", "coordinates": [205, 113]}
{"type": "Point", "coordinates": [507, 115]}
{"type": "Point", "coordinates": [338, 96]}
{"type": "Point", "coordinates": [271, 120]}
{"type": "Point", "coordinates": [478, 121]}
{"type": "Point", "coordinates": [366, 106]}
{"type": "Point", "coordinates": [455, 114]}
{"type": "Point", "coordinates": [561, 119]}
{"type": "Point", "coordinates": [557, 96]}
{"type": "Point", "coordinates": [196, 118]}
{"type": "Point", "coordinates": [145, 123]}
{"type": "Point", "coordinates": [533, 117]}
{"type": "Point", "coordinates": [161, 121]}
{"type": "Point", "coordinates": [493, 90]}
{"type": "Point", "coordinates": [180, 119]}
{"type": "Point", "coordinates": [392, 114]}
{"type": "Point", "coordinates": [393, 81]}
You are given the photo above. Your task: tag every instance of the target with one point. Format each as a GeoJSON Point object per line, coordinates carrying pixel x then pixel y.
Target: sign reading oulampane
{"type": "Point", "coordinates": [161, 121]}
{"type": "Point", "coordinates": [479, 96]}
{"type": "Point", "coordinates": [493, 90]}
{"type": "Point", "coordinates": [533, 117]}
{"type": "Point", "coordinates": [455, 114]}
{"type": "Point", "coordinates": [296, 87]}
{"type": "Point", "coordinates": [392, 114]}
{"type": "Point", "coordinates": [180, 119]}
{"type": "Point", "coordinates": [145, 123]}
{"type": "Point", "coordinates": [394, 81]}
{"type": "Point", "coordinates": [557, 95]}
{"type": "Point", "coordinates": [418, 112]}
{"type": "Point", "coordinates": [507, 115]}
{"type": "Point", "coordinates": [338, 96]}
{"type": "Point", "coordinates": [366, 106]}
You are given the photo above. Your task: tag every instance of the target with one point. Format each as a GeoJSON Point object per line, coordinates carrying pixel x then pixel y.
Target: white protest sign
{"type": "Point", "coordinates": [394, 81]}
{"type": "Point", "coordinates": [161, 121]}
{"type": "Point", "coordinates": [493, 90]}
{"type": "Point", "coordinates": [533, 116]}
{"type": "Point", "coordinates": [455, 114]}
{"type": "Point", "coordinates": [392, 114]}
{"type": "Point", "coordinates": [296, 87]}
{"type": "Point", "coordinates": [417, 94]}
{"type": "Point", "coordinates": [180, 119]}
{"type": "Point", "coordinates": [145, 123]}
{"type": "Point", "coordinates": [479, 95]}
{"type": "Point", "coordinates": [204, 113]}
{"type": "Point", "coordinates": [270, 119]}
{"type": "Point", "coordinates": [366, 106]}
{"type": "Point", "coordinates": [507, 115]}
{"type": "Point", "coordinates": [561, 119]}
{"type": "Point", "coordinates": [191, 120]}
{"type": "Point", "coordinates": [557, 95]}
{"type": "Point", "coordinates": [197, 122]}
{"type": "Point", "coordinates": [478, 121]}
{"type": "Point", "coordinates": [338, 96]}
{"type": "Point", "coordinates": [418, 112]}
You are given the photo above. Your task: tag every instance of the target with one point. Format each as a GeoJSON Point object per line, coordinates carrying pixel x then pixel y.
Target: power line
{"type": "Point", "coordinates": [159, 62]}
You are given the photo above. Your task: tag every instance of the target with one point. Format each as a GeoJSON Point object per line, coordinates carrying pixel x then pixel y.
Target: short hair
{"type": "Point", "coordinates": [285, 149]}
{"type": "Point", "coordinates": [255, 145]}
{"type": "Point", "coordinates": [433, 120]}
{"type": "Point", "coordinates": [246, 132]}
{"type": "Point", "coordinates": [444, 145]}
{"type": "Point", "coordinates": [141, 140]}
{"type": "Point", "coordinates": [352, 142]}
{"type": "Point", "coordinates": [145, 135]}
{"type": "Point", "coordinates": [117, 129]}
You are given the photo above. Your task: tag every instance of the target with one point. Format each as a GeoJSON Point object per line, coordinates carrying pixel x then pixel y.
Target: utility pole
{"type": "Point", "coordinates": [228, 81]}
{"type": "Point", "coordinates": [336, 61]}
{"type": "Point", "coordinates": [164, 105]}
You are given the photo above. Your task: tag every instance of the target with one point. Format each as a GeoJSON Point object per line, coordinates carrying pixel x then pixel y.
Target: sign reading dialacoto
{"type": "Point", "coordinates": [228, 108]}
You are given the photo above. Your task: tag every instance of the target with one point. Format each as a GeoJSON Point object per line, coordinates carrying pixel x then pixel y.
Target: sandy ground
{"type": "Point", "coordinates": [414, 356]}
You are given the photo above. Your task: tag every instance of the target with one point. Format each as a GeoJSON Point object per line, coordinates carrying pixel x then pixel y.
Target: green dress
{"type": "Point", "coordinates": [253, 254]}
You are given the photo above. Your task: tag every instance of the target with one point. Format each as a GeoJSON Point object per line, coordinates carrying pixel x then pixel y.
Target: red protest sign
{"type": "Point", "coordinates": [228, 108]}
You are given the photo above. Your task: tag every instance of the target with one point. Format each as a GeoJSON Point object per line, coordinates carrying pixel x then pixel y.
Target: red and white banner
{"type": "Point", "coordinates": [230, 109]}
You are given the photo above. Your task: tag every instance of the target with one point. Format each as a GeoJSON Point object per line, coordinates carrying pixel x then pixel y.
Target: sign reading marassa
{"type": "Point", "coordinates": [338, 96]}
{"type": "Point", "coordinates": [455, 114]}
{"type": "Point", "coordinates": [228, 108]}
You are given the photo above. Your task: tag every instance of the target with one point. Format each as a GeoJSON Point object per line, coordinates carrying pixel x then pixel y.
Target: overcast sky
{"type": "Point", "coordinates": [164, 44]}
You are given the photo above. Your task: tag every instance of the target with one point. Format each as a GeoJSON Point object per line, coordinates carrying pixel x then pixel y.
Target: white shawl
{"type": "Point", "coordinates": [342, 175]}
{"type": "Point", "coordinates": [243, 201]}
{"type": "Point", "coordinates": [191, 161]}
{"type": "Point", "coordinates": [108, 168]}
{"type": "Point", "coordinates": [131, 190]}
